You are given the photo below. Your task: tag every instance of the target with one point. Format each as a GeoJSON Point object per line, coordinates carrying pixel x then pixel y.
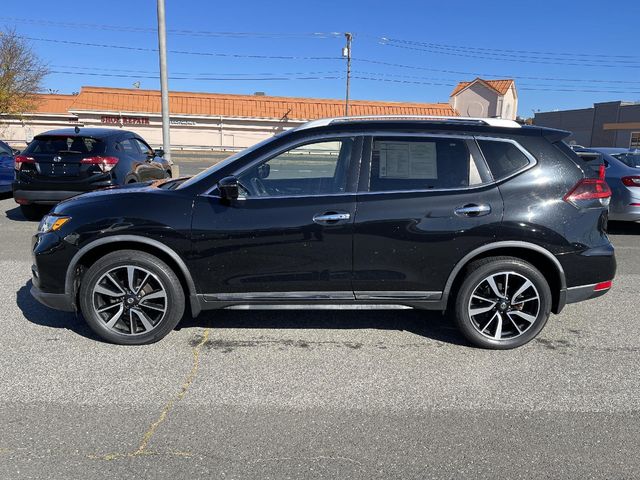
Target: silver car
{"type": "Point", "coordinates": [623, 176]}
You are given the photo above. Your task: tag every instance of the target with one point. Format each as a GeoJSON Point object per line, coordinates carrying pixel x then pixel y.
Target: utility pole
{"type": "Point", "coordinates": [346, 52]}
{"type": "Point", "coordinates": [164, 81]}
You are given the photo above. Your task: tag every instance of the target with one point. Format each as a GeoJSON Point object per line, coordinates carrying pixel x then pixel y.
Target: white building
{"type": "Point", "coordinates": [485, 98]}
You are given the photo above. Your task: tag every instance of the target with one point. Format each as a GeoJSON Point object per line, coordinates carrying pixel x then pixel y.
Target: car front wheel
{"type": "Point", "coordinates": [502, 303]}
{"type": "Point", "coordinates": [130, 297]}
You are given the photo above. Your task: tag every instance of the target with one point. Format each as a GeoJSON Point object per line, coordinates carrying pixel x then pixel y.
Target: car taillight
{"type": "Point", "coordinates": [22, 159]}
{"type": "Point", "coordinates": [590, 192]}
{"type": "Point", "coordinates": [633, 181]}
{"type": "Point", "coordinates": [106, 164]}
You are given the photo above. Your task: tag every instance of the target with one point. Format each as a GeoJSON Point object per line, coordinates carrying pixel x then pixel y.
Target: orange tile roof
{"type": "Point", "coordinates": [53, 103]}
{"type": "Point", "coordinates": [189, 103]}
{"type": "Point", "coordinates": [500, 86]}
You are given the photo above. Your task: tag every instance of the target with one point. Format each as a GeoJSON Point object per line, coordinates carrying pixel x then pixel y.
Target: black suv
{"type": "Point", "coordinates": [62, 163]}
{"type": "Point", "coordinates": [497, 223]}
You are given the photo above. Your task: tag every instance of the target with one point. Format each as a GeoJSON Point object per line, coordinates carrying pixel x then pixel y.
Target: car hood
{"type": "Point", "coordinates": [107, 194]}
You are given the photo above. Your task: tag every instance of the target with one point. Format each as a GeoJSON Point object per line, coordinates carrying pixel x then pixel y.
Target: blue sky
{"type": "Point", "coordinates": [563, 54]}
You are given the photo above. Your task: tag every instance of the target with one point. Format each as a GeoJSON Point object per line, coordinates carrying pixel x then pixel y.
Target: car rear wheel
{"type": "Point", "coordinates": [131, 298]}
{"type": "Point", "coordinates": [502, 303]}
{"type": "Point", "coordinates": [34, 212]}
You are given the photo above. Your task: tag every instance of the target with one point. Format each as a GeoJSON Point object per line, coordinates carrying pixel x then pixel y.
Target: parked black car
{"type": "Point", "coordinates": [63, 163]}
{"type": "Point", "coordinates": [497, 223]}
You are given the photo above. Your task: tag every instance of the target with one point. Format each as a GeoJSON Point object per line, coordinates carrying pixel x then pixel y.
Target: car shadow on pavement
{"type": "Point", "coordinates": [427, 324]}
{"type": "Point", "coordinates": [16, 215]}
{"type": "Point", "coordinates": [623, 228]}
{"type": "Point", "coordinates": [38, 314]}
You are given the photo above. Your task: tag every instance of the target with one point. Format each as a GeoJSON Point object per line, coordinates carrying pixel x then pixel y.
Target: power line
{"type": "Point", "coordinates": [186, 32]}
{"type": "Point", "coordinates": [181, 52]}
{"type": "Point", "coordinates": [155, 72]}
{"type": "Point", "coordinates": [500, 50]}
{"type": "Point", "coordinates": [550, 89]}
{"type": "Point", "coordinates": [208, 79]}
{"type": "Point", "coordinates": [519, 59]}
{"type": "Point", "coordinates": [479, 74]}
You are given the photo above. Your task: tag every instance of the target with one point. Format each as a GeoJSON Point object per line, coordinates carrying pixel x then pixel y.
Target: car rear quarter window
{"type": "Point", "coordinates": [503, 158]}
{"type": "Point", "coordinates": [405, 163]}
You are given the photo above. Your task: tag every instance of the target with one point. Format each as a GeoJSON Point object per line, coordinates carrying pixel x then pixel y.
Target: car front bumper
{"type": "Point", "coordinates": [57, 301]}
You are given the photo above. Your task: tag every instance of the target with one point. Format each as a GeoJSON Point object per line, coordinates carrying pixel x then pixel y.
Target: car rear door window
{"type": "Point", "coordinates": [423, 163]}
{"type": "Point", "coordinates": [144, 148]}
{"type": "Point", "coordinates": [504, 158]}
{"type": "Point", "coordinates": [127, 146]}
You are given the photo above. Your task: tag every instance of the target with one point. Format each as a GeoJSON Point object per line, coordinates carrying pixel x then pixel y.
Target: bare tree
{"type": "Point", "coordinates": [21, 74]}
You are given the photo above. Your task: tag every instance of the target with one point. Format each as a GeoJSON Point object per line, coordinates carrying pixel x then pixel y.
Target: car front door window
{"type": "Point", "coordinates": [312, 169]}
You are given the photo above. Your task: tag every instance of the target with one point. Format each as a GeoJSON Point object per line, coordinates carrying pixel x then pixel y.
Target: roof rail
{"type": "Point", "coordinates": [493, 122]}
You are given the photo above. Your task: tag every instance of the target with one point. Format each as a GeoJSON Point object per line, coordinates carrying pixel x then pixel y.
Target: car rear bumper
{"type": "Point", "coordinates": [51, 192]}
{"type": "Point", "coordinates": [44, 197]}
{"type": "Point", "coordinates": [585, 292]}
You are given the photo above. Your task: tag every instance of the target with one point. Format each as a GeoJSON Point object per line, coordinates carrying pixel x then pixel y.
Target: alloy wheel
{"type": "Point", "coordinates": [504, 305]}
{"type": "Point", "coordinates": [130, 300]}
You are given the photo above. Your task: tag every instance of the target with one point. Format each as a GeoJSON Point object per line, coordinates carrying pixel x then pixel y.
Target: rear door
{"type": "Point", "coordinates": [153, 168]}
{"type": "Point", "coordinates": [424, 201]}
{"type": "Point", "coordinates": [137, 169]}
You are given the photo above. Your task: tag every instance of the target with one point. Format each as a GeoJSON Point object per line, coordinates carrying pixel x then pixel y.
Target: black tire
{"type": "Point", "coordinates": [475, 275]}
{"type": "Point", "coordinates": [34, 212]}
{"type": "Point", "coordinates": [175, 298]}
{"type": "Point", "coordinates": [168, 174]}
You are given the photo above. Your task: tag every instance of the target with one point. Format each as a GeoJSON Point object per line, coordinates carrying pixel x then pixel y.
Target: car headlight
{"type": "Point", "coordinates": [51, 223]}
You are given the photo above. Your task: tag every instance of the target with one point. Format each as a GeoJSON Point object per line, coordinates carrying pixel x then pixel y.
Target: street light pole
{"type": "Point", "coordinates": [164, 81]}
{"type": "Point", "coordinates": [346, 52]}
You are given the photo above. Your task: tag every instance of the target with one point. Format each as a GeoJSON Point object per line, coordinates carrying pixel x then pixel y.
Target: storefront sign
{"type": "Point", "coordinates": [116, 120]}
{"type": "Point", "coordinates": [189, 123]}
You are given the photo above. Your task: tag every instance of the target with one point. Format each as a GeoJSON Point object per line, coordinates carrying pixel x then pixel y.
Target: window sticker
{"type": "Point", "coordinates": [408, 160]}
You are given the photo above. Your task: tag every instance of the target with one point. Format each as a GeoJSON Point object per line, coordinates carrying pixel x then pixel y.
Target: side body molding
{"type": "Point", "coordinates": [69, 278]}
{"type": "Point", "coordinates": [495, 246]}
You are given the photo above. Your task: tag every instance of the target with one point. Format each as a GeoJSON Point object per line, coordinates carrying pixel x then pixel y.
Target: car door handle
{"type": "Point", "coordinates": [331, 217]}
{"type": "Point", "coordinates": [473, 210]}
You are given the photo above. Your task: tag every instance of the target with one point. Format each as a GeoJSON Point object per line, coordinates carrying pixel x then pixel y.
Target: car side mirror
{"type": "Point", "coordinates": [16, 151]}
{"type": "Point", "coordinates": [229, 188]}
{"type": "Point", "coordinates": [159, 152]}
{"type": "Point", "coordinates": [264, 170]}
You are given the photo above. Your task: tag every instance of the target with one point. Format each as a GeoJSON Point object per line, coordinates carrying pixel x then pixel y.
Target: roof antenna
{"type": "Point", "coordinates": [77, 129]}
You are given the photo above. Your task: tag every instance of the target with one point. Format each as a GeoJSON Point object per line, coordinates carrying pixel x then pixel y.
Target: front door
{"type": "Point", "coordinates": [289, 236]}
{"type": "Point", "coordinates": [424, 202]}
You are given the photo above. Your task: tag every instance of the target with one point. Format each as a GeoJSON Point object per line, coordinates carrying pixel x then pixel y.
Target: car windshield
{"type": "Point", "coordinates": [214, 168]}
{"type": "Point", "coordinates": [631, 159]}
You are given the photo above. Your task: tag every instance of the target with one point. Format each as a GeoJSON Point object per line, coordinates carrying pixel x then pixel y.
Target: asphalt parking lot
{"type": "Point", "coordinates": [317, 394]}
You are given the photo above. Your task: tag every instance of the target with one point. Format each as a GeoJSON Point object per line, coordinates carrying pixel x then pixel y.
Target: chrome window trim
{"type": "Point", "coordinates": [397, 295]}
{"type": "Point", "coordinates": [288, 146]}
{"type": "Point", "coordinates": [261, 296]}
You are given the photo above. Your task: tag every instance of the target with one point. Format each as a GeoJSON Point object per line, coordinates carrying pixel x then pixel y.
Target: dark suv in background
{"type": "Point", "coordinates": [498, 224]}
{"type": "Point", "coordinates": [63, 163]}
